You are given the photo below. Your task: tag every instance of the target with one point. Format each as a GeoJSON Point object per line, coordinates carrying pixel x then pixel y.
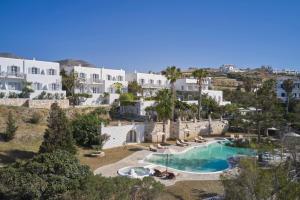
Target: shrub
{"type": "Point", "coordinates": [86, 130]}
{"type": "Point", "coordinates": [35, 118]}
{"type": "Point", "coordinates": [11, 127]}
{"type": "Point", "coordinates": [13, 95]}
{"type": "Point", "coordinates": [58, 134]}
{"type": "Point", "coordinates": [2, 95]}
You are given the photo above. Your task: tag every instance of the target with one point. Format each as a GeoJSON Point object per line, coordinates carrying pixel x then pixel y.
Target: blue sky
{"type": "Point", "coordinates": [152, 34]}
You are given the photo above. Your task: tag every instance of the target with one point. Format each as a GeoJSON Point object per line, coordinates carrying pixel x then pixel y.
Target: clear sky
{"type": "Point", "coordinates": [152, 34]}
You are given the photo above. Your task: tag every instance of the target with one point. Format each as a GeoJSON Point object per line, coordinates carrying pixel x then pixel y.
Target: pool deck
{"type": "Point", "coordinates": [136, 159]}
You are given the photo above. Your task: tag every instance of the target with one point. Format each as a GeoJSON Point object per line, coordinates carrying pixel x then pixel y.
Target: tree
{"type": "Point", "coordinates": [200, 75]}
{"type": "Point", "coordinates": [270, 113]}
{"type": "Point", "coordinates": [46, 176]}
{"type": "Point", "coordinates": [11, 127]}
{"type": "Point", "coordinates": [26, 90]}
{"type": "Point", "coordinates": [172, 74]}
{"type": "Point", "coordinates": [58, 134]}
{"type": "Point", "coordinates": [134, 88]}
{"type": "Point", "coordinates": [288, 86]}
{"type": "Point", "coordinates": [118, 87]}
{"type": "Point", "coordinates": [254, 182]}
{"type": "Point", "coordinates": [86, 130]}
{"type": "Point", "coordinates": [164, 106]}
{"type": "Point", "coordinates": [69, 83]}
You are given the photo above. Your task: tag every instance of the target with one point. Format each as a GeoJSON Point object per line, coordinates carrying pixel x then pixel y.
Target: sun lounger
{"type": "Point", "coordinates": [170, 176]}
{"type": "Point", "coordinates": [241, 137]}
{"type": "Point", "coordinates": [183, 142]}
{"type": "Point", "coordinates": [152, 148]}
{"type": "Point", "coordinates": [197, 140]}
{"type": "Point", "coordinates": [161, 147]}
{"type": "Point", "coordinates": [180, 144]}
{"type": "Point", "coordinates": [158, 173]}
{"type": "Point", "coordinates": [201, 138]}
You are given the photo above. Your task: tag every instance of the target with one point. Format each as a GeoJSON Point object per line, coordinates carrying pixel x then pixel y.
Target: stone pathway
{"type": "Point", "coordinates": [136, 158]}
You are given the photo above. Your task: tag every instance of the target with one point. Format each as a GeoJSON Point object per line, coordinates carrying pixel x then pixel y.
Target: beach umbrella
{"type": "Point", "coordinates": [168, 152]}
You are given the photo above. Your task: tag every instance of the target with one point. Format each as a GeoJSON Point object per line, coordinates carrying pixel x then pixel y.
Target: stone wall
{"type": "Point", "coordinates": [190, 129]}
{"type": "Point", "coordinates": [47, 103]}
{"type": "Point", "coordinates": [13, 102]}
{"type": "Point", "coordinates": [154, 131]}
{"type": "Point", "coordinates": [33, 103]}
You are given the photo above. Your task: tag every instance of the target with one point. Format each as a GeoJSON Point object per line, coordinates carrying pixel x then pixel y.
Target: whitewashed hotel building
{"type": "Point", "coordinates": [150, 82]}
{"type": "Point", "coordinates": [187, 90]}
{"type": "Point", "coordinates": [43, 76]}
{"type": "Point", "coordinates": [281, 93]}
{"type": "Point", "coordinates": [100, 83]}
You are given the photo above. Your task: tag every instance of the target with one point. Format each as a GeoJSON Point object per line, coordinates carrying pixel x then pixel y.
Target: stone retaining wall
{"type": "Point", "coordinates": [64, 103]}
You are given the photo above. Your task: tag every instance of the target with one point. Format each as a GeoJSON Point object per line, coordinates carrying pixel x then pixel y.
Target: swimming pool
{"type": "Point", "coordinates": [202, 159]}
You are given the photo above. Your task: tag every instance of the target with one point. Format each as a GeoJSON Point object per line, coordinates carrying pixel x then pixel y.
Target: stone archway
{"type": "Point", "coordinates": [132, 136]}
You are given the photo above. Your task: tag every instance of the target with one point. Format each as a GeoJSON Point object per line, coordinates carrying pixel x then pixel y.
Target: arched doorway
{"type": "Point", "coordinates": [132, 136]}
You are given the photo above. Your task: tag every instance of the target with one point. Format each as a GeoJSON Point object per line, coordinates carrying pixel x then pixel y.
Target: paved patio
{"type": "Point", "coordinates": [136, 159]}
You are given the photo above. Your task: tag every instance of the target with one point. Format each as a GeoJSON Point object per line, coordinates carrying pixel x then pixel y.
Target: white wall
{"type": "Point", "coordinates": [41, 81]}
{"type": "Point", "coordinates": [97, 87]}
{"type": "Point", "coordinates": [150, 82]}
{"type": "Point", "coordinates": [119, 135]}
{"type": "Point", "coordinates": [190, 84]}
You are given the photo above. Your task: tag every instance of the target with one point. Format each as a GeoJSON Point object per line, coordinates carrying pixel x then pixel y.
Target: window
{"type": "Point", "coordinates": [95, 90]}
{"type": "Point", "coordinates": [95, 77]}
{"type": "Point", "coordinates": [37, 86]}
{"type": "Point", "coordinates": [282, 94]}
{"type": "Point", "coordinates": [120, 78]}
{"type": "Point", "coordinates": [34, 70]}
{"type": "Point", "coordinates": [142, 81]}
{"type": "Point", "coordinates": [151, 81]}
{"type": "Point", "coordinates": [51, 72]}
{"type": "Point", "coordinates": [54, 86]}
{"type": "Point", "coordinates": [109, 77]}
{"type": "Point", "coordinates": [159, 82]}
{"type": "Point", "coordinates": [14, 86]}
{"type": "Point", "coordinates": [14, 69]}
{"type": "Point", "coordinates": [82, 75]}
{"type": "Point", "coordinates": [182, 87]}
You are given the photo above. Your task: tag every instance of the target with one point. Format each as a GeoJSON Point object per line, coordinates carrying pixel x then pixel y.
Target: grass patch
{"type": "Point", "coordinates": [192, 190]}
{"type": "Point", "coordinates": [111, 156]}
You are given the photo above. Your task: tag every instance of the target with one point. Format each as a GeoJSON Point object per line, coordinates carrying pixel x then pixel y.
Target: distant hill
{"type": "Point", "coordinates": [72, 62]}
{"type": "Point", "coordinates": [9, 55]}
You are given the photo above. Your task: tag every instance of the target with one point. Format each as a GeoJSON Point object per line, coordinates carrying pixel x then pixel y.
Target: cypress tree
{"type": "Point", "coordinates": [11, 127]}
{"type": "Point", "coordinates": [58, 134]}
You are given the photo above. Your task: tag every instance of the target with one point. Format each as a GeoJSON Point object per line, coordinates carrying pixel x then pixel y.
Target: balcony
{"type": "Point", "coordinates": [154, 86]}
{"type": "Point", "coordinates": [14, 75]}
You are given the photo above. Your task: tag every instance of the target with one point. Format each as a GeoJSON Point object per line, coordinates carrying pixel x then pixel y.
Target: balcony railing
{"type": "Point", "coordinates": [12, 75]}
{"type": "Point", "coordinates": [152, 85]}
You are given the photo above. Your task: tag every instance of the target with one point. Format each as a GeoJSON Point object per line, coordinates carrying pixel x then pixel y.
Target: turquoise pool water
{"type": "Point", "coordinates": [203, 159]}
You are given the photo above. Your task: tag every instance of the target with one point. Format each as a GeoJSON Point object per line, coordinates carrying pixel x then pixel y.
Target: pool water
{"type": "Point", "coordinates": [203, 159]}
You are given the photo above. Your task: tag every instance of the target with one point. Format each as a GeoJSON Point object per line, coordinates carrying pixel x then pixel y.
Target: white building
{"type": "Point", "coordinates": [187, 91]}
{"type": "Point", "coordinates": [281, 93]}
{"type": "Point", "coordinates": [104, 85]}
{"type": "Point", "coordinates": [228, 68]}
{"type": "Point", "coordinates": [43, 76]}
{"type": "Point", "coordinates": [150, 82]}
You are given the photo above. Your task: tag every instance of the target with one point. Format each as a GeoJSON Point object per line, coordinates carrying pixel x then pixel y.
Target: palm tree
{"type": "Point", "coordinates": [288, 86]}
{"type": "Point", "coordinates": [163, 107]}
{"type": "Point", "coordinates": [200, 75]}
{"type": "Point", "coordinates": [172, 74]}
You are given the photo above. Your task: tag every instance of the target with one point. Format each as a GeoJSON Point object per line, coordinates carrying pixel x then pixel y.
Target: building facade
{"type": "Point", "coordinates": [150, 82]}
{"type": "Point", "coordinates": [43, 77]}
{"type": "Point", "coordinates": [281, 93]}
{"type": "Point", "coordinates": [104, 85]}
{"type": "Point", "coordinates": [188, 89]}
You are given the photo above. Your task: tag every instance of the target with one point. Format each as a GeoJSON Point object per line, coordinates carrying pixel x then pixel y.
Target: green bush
{"type": "Point", "coordinates": [86, 130]}
{"type": "Point", "coordinates": [35, 118]}
{"type": "Point", "coordinates": [11, 128]}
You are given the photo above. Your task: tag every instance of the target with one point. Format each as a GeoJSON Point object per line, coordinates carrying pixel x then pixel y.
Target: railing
{"type": "Point", "coordinates": [149, 85]}
{"type": "Point", "coordinates": [12, 74]}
